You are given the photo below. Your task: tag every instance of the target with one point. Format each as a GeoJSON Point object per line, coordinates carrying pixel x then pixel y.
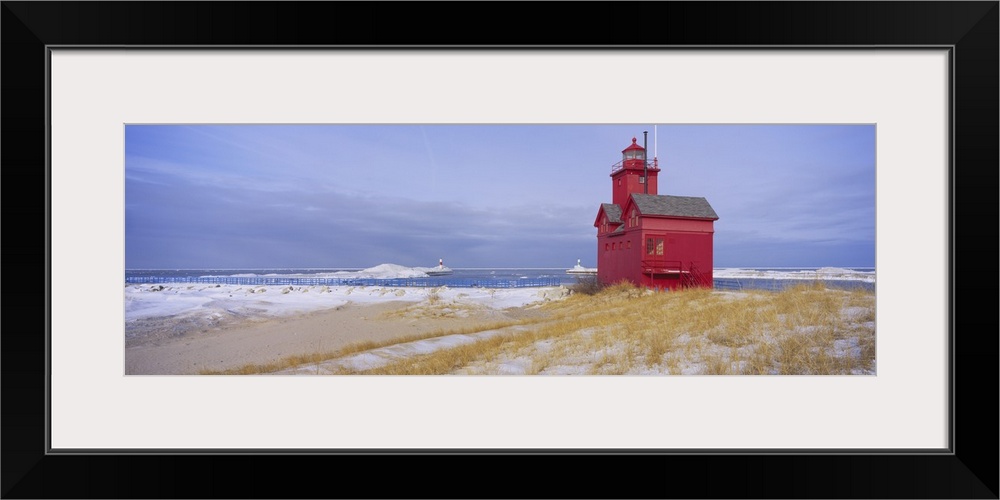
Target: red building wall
{"type": "Point", "coordinates": [682, 255]}
{"type": "Point", "coordinates": [618, 257]}
{"type": "Point", "coordinates": [623, 257]}
{"type": "Point", "coordinates": [689, 252]}
{"type": "Point", "coordinates": [628, 181]}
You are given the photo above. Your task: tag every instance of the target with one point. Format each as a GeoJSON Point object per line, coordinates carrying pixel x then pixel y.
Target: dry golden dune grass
{"type": "Point", "coordinates": [625, 330]}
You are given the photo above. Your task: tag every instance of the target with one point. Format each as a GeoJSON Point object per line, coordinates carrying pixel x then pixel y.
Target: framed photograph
{"type": "Point", "coordinates": [84, 81]}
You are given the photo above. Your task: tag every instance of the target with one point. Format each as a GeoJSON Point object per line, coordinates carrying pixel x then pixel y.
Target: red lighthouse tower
{"type": "Point", "coordinates": [649, 239]}
{"type": "Point", "coordinates": [632, 175]}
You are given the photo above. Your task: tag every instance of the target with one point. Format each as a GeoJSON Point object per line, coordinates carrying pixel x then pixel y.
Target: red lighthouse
{"type": "Point", "coordinates": [649, 239]}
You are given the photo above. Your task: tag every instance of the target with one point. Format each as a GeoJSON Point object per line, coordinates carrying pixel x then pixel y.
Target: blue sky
{"type": "Point", "coordinates": [355, 196]}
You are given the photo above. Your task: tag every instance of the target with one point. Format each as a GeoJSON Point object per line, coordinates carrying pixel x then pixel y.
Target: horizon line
{"type": "Point", "coordinates": [455, 268]}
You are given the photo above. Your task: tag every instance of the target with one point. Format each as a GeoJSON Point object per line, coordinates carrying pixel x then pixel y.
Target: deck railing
{"type": "Point", "coordinates": [620, 165]}
{"type": "Point", "coordinates": [671, 266]}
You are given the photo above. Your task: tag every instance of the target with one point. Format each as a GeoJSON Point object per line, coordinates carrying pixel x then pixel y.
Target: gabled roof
{"type": "Point", "coordinates": [673, 206]}
{"type": "Point", "coordinates": [614, 212]}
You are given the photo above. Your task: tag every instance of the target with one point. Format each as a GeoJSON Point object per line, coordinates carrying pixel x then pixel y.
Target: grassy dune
{"type": "Point", "coordinates": [625, 330]}
{"type": "Point", "coordinates": [807, 330]}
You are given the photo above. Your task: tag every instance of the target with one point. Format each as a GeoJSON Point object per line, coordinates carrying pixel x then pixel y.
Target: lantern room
{"type": "Point", "coordinates": [633, 153]}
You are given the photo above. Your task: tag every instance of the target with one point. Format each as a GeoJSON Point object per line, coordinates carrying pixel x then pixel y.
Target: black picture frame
{"type": "Point", "coordinates": [969, 29]}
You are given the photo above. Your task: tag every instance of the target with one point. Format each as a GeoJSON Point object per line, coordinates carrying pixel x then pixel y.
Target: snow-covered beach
{"type": "Point", "coordinates": [176, 328]}
{"type": "Point", "coordinates": [188, 328]}
{"type": "Point", "coordinates": [211, 304]}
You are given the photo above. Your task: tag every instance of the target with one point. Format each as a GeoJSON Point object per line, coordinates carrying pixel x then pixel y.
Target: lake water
{"type": "Point", "coordinates": [481, 277]}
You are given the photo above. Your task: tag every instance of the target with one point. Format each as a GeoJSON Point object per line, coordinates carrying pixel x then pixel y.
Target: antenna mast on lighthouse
{"type": "Point", "coordinates": [655, 163]}
{"type": "Point", "coordinates": [645, 164]}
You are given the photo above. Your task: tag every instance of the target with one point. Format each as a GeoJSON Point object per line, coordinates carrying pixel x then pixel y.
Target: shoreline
{"type": "Point", "coordinates": [179, 330]}
{"type": "Point", "coordinates": [185, 346]}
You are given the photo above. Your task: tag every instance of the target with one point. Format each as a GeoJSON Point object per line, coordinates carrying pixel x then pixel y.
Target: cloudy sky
{"type": "Point", "coordinates": [355, 196]}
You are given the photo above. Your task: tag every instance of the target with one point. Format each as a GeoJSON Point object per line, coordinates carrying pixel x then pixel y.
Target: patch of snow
{"type": "Point", "coordinates": [854, 312]}
{"type": "Point", "coordinates": [163, 300]}
{"type": "Point", "coordinates": [517, 366]}
{"type": "Point", "coordinates": [384, 355]}
{"type": "Point", "coordinates": [848, 347]}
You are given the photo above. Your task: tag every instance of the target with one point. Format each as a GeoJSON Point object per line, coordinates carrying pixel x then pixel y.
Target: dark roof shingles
{"type": "Point", "coordinates": [673, 206]}
{"type": "Point", "coordinates": [614, 212]}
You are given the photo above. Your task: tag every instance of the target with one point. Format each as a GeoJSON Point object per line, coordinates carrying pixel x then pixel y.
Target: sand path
{"type": "Point", "coordinates": [174, 347]}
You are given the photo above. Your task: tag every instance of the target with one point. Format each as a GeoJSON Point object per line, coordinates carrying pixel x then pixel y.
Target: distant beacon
{"type": "Point", "coordinates": [652, 240]}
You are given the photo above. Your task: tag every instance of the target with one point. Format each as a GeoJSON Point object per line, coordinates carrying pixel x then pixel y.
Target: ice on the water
{"type": "Point", "coordinates": [206, 300]}
{"type": "Point", "coordinates": [822, 273]}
